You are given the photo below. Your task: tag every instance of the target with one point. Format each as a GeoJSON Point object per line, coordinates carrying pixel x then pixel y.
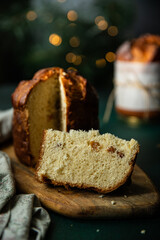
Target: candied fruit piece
{"type": "Point", "coordinates": [120, 154]}
{"type": "Point", "coordinates": [111, 149]}
{"type": "Point", "coordinates": [95, 145]}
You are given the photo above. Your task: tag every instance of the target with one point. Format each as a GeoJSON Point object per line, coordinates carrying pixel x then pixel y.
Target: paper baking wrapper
{"type": "Point", "coordinates": [137, 86]}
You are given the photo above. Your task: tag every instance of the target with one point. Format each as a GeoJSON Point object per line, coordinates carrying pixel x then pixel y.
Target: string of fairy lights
{"type": "Point", "coordinates": [74, 41]}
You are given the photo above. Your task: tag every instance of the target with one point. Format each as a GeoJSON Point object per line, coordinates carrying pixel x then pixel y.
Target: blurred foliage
{"type": "Point", "coordinates": [25, 45]}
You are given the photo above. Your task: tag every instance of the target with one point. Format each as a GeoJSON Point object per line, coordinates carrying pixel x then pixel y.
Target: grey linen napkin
{"type": "Point", "coordinates": [5, 124]}
{"type": "Point", "coordinates": [21, 216]}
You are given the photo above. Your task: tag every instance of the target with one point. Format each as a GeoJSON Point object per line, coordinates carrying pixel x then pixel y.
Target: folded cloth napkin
{"type": "Point", "coordinates": [21, 216]}
{"type": "Point", "coordinates": [5, 124]}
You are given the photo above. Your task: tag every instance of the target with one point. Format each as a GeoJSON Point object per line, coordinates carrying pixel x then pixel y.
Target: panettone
{"type": "Point", "coordinates": [56, 99]}
{"type": "Point", "coordinates": [137, 77]}
{"type": "Point", "coordinates": [143, 49]}
{"type": "Point", "coordinates": [86, 159]}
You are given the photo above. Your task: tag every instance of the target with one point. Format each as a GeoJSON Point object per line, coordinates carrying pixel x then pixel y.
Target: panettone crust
{"type": "Point", "coordinates": [81, 101]}
{"type": "Point", "coordinates": [20, 132]}
{"type": "Point", "coordinates": [143, 49]}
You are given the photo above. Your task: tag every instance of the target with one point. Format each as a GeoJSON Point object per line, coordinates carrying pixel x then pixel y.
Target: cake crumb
{"type": "Point", "coordinates": [113, 202]}
{"type": "Point", "coordinates": [143, 231]}
{"type": "Point", "coordinates": [97, 230]}
{"type": "Point", "coordinates": [125, 196]}
{"type": "Point", "coordinates": [101, 196]}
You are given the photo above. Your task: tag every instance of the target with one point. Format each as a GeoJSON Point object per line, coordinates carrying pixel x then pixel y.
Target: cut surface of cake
{"type": "Point", "coordinates": [56, 99]}
{"type": "Point", "coordinates": [86, 159]}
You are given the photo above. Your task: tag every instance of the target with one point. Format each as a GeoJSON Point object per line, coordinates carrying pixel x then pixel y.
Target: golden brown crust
{"type": "Point", "coordinates": [45, 179]}
{"type": "Point", "coordinates": [19, 97]}
{"type": "Point", "coordinates": [21, 93]}
{"type": "Point", "coordinates": [40, 152]}
{"type": "Point", "coordinates": [44, 74]}
{"type": "Point", "coordinates": [143, 49]}
{"type": "Point", "coordinates": [20, 126]}
{"type": "Point", "coordinates": [81, 100]}
{"type": "Point", "coordinates": [21, 136]}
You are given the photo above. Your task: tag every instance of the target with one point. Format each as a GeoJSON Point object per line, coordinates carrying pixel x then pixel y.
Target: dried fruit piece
{"type": "Point", "coordinates": [111, 149]}
{"type": "Point", "coordinates": [120, 154]}
{"type": "Point", "coordinates": [95, 145]}
{"type": "Point", "coordinates": [60, 145]}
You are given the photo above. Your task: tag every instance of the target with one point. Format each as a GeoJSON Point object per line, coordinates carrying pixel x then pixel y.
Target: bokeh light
{"type": "Point", "coordinates": [70, 57]}
{"type": "Point", "coordinates": [55, 39]}
{"type": "Point", "coordinates": [73, 58]}
{"type": "Point", "coordinates": [72, 69]}
{"type": "Point", "coordinates": [133, 121]}
{"type": "Point", "coordinates": [78, 60]}
{"type": "Point", "coordinates": [74, 41]}
{"type": "Point", "coordinates": [47, 17]}
{"type": "Point", "coordinates": [101, 23]}
{"type": "Point", "coordinates": [72, 15]}
{"type": "Point", "coordinates": [110, 56]}
{"type": "Point", "coordinates": [101, 63]}
{"type": "Point", "coordinates": [98, 19]}
{"type": "Point", "coordinates": [113, 31]}
{"type": "Point", "coordinates": [72, 25]}
{"type": "Point", "coordinates": [31, 15]}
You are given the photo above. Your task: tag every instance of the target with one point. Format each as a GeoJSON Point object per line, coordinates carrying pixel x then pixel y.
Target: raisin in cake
{"type": "Point", "coordinates": [52, 99]}
{"type": "Point", "coordinates": [86, 159]}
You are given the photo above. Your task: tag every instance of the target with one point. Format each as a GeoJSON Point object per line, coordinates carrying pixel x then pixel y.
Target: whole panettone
{"type": "Point", "coordinates": [137, 77]}
{"type": "Point", "coordinates": [56, 99]}
{"type": "Point", "coordinates": [143, 49]}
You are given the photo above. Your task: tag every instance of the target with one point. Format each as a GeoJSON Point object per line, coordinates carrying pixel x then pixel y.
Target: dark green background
{"type": "Point", "coordinates": [25, 47]}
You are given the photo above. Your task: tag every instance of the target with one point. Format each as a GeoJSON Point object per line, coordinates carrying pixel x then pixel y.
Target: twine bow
{"type": "Point", "coordinates": [136, 84]}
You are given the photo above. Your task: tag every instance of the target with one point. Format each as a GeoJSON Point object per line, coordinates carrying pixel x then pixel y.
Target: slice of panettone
{"type": "Point", "coordinates": [86, 159]}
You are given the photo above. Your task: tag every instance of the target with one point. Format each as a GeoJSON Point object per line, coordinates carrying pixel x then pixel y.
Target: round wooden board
{"type": "Point", "coordinates": [139, 198]}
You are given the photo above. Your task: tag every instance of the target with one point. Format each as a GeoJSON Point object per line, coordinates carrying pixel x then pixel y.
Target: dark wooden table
{"type": "Point", "coordinates": [148, 135]}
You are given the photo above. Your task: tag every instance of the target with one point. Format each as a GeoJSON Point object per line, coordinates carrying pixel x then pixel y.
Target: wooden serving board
{"type": "Point", "coordinates": [140, 198]}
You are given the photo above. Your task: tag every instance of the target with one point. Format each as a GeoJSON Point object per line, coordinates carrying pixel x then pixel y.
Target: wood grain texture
{"type": "Point", "coordinates": [139, 198]}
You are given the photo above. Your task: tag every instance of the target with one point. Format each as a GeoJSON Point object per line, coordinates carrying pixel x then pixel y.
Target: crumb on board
{"type": "Point", "coordinates": [101, 196]}
{"type": "Point", "coordinates": [143, 231]}
{"type": "Point", "coordinates": [125, 196]}
{"type": "Point", "coordinates": [113, 202]}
